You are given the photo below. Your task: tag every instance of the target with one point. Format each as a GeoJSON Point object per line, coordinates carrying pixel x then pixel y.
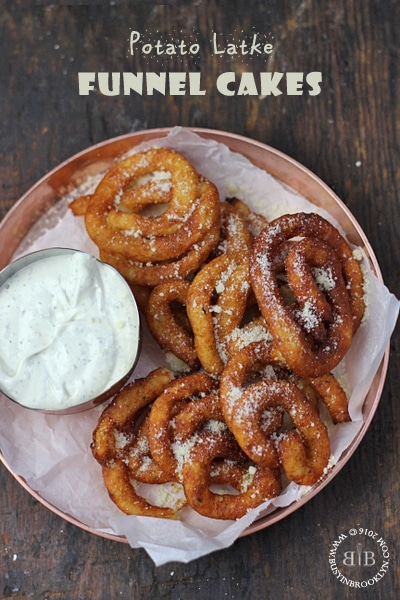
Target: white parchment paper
{"type": "Point", "coordinates": [52, 452]}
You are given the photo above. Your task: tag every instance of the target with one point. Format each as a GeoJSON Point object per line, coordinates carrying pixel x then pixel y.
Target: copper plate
{"type": "Point", "coordinates": [96, 159]}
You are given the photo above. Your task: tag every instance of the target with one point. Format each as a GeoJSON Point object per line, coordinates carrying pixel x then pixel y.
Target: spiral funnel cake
{"type": "Point", "coordinates": [315, 342]}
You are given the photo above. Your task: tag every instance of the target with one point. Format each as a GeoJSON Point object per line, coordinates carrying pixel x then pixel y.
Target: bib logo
{"type": "Point", "coordinates": [359, 558]}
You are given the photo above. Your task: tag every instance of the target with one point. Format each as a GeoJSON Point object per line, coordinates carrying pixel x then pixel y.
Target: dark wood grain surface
{"type": "Point", "coordinates": [347, 135]}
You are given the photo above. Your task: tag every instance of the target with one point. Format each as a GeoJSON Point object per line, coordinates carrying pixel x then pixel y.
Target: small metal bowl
{"type": "Point", "coordinates": [107, 393]}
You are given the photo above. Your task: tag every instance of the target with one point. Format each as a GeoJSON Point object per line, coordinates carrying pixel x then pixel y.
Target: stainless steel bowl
{"type": "Point", "coordinates": [7, 272]}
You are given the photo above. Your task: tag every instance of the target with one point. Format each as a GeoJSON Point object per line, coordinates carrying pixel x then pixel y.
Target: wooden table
{"type": "Point", "coordinates": [346, 134]}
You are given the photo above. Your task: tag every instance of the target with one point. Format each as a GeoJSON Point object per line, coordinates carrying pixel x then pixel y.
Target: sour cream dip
{"type": "Point", "coordinates": [69, 329]}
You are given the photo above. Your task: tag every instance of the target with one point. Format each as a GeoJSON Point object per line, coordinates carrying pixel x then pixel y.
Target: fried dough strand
{"type": "Point", "coordinates": [259, 313]}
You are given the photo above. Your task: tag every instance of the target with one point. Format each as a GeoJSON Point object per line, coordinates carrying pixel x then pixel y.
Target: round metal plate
{"type": "Point", "coordinates": [94, 160]}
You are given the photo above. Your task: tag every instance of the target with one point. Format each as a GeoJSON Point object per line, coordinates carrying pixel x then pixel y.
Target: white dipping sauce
{"type": "Point", "coordinates": [69, 330]}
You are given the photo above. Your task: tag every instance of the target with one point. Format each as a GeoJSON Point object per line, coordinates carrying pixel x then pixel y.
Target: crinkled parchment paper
{"type": "Point", "coordinates": [52, 452]}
